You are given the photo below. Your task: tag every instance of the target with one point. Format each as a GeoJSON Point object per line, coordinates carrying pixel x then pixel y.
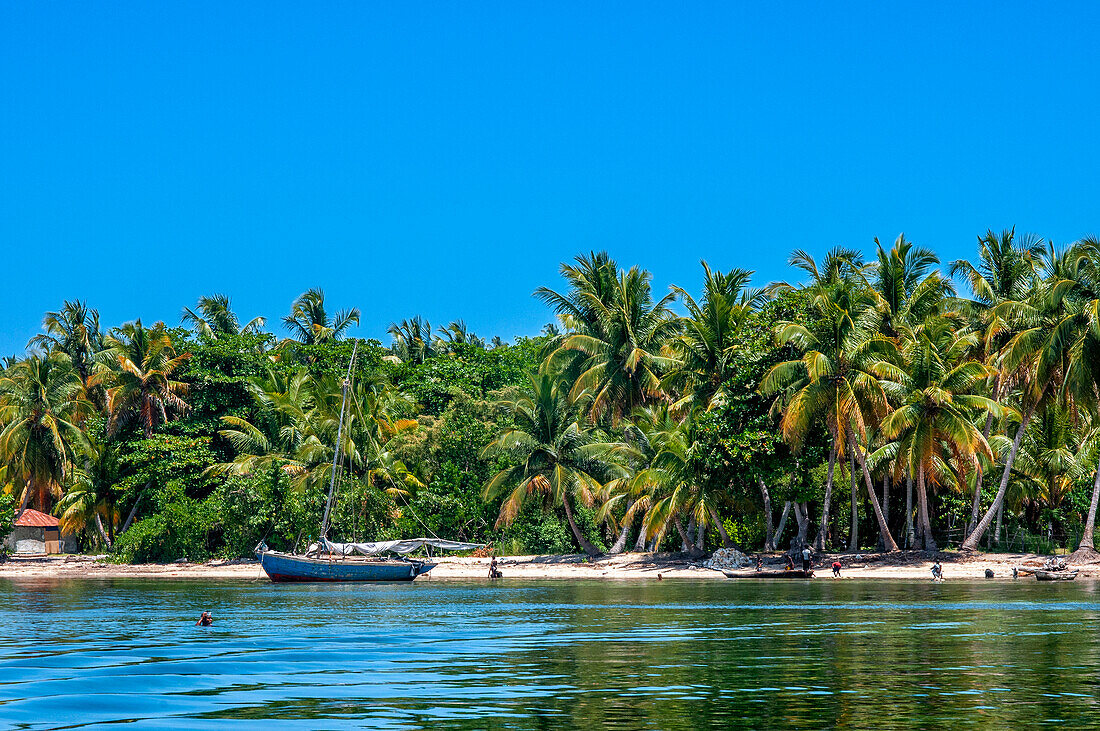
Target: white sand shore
{"type": "Point", "coordinates": [631, 566]}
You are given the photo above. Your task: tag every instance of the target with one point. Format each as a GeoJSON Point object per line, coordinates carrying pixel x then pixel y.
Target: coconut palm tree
{"type": "Point", "coordinates": [412, 340]}
{"type": "Point", "coordinates": [1005, 271]}
{"type": "Point", "coordinates": [554, 456]}
{"type": "Point", "coordinates": [215, 317]}
{"type": "Point", "coordinates": [619, 332]}
{"type": "Point", "coordinates": [90, 500]}
{"type": "Point", "coordinates": [74, 331]}
{"type": "Point", "coordinates": [706, 349]}
{"type": "Point", "coordinates": [42, 405]}
{"type": "Point", "coordinates": [1036, 360]}
{"type": "Point", "coordinates": [310, 323]}
{"type": "Point", "coordinates": [836, 382]}
{"type": "Point", "coordinates": [933, 423]}
{"type": "Point", "coordinates": [837, 291]}
{"type": "Point", "coordinates": [139, 365]}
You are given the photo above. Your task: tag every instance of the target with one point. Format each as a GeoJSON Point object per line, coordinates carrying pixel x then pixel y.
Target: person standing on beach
{"type": "Point", "coordinates": [836, 568]}
{"type": "Point", "coordinates": [937, 572]}
{"type": "Point", "coordinates": [805, 558]}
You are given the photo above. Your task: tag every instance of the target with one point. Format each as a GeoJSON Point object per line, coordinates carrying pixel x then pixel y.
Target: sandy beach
{"type": "Point", "coordinates": [631, 566]}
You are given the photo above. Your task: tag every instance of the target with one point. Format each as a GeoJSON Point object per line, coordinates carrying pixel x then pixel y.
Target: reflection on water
{"type": "Point", "coordinates": [668, 655]}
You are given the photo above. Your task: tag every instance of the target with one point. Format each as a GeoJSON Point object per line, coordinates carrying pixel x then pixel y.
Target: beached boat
{"type": "Point", "coordinates": [794, 574]}
{"type": "Point", "coordinates": [1042, 575]}
{"type": "Point", "coordinates": [326, 560]}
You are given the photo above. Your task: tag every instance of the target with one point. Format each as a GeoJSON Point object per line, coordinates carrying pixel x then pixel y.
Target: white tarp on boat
{"type": "Point", "coordinates": [406, 546]}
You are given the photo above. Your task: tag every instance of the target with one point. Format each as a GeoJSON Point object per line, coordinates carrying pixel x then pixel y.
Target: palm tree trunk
{"type": "Point", "coordinates": [727, 542]}
{"type": "Point", "coordinates": [102, 533]}
{"type": "Point", "coordinates": [887, 539]}
{"type": "Point", "coordinates": [700, 536]}
{"type": "Point", "coordinates": [823, 528]}
{"type": "Point", "coordinates": [802, 515]}
{"type": "Point", "coordinates": [624, 533]}
{"type": "Point", "coordinates": [133, 512]}
{"type": "Point", "coordinates": [688, 543]}
{"type": "Point", "coordinates": [23, 503]}
{"type": "Point", "coordinates": [971, 541]}
{"type": "Point", "coordinates": [922, 501]}
{"type": "Point", "coordinates": [639, 545]}
{"type": "Point", "coordinates": [910, 534]}
{"type": "Point", "coordinates": [782, 523]}
{"type": "Point", "coordinates": [975, 508]}
{"type": "Point", "coordinates": [581, 540]}
{"type": "Point", "coordinates": [997, 530]}
{"type": "Point", "coordinates": [886, 496]}
{"type": "Point", "coordinates": [1090, 522]}
{"type": "Point", "coordinates": [685, 542]}
{"type": "Point", "coordinates": [769, 534]}
{"type": "Point", "coordinates": [853, 538]}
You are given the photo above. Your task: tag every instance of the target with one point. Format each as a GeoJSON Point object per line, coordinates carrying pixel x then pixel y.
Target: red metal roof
{"type": "Point", "coordinates": [32, 517]}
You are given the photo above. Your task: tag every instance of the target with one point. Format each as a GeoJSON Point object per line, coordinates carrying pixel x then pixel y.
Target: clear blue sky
{"type": "Point", "coordinates": [443, 158]}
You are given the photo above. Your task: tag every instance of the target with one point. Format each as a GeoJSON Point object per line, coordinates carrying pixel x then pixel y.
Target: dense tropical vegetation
{"type": "Point", "coordinates": [880, 404]}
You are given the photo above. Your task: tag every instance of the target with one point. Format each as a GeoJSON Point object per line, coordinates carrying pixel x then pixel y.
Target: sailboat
{"type": "Point", "coordinates": [326, 560]}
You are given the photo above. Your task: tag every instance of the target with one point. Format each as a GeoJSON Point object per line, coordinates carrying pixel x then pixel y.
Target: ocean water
{"type": "Point", "coordinates": [80, 654]}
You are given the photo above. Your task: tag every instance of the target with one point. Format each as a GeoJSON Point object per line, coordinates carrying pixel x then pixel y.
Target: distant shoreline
{"type": "Point", "coordinates": [630, 566]}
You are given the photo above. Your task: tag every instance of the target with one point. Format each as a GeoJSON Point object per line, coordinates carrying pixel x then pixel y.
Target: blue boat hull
{"type": "Point", "coordinates": [281, 567]}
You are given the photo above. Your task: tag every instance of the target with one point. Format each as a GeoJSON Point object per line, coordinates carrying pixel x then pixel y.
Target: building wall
{"type": "Point", "coordinates": [32, 539]}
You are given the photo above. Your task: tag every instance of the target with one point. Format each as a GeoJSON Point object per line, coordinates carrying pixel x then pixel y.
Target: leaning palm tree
{"type": "Point", "coordinates": [310, 323]}
{"type": "Point", "coordinates": [1083, 379]}
{"type": "Point", "coordinates": [1005, 271]}
{"type": "Point", "coordinates": [837, 380]}
{"type": "Point", "coordinates": [74, 331]}
{"type": "Point", "coordinates": [215, 317]}
{"type": "Point", "coordinates": [1036, 361]}
{"type": "Point", "coordinates": [139, 367]}
{"type": "Point", "coordinates": [934, 422]}
{"type": "Point", "coordinates": [42, 405]}
{"type": "Point", "coordinates": [554, 456]}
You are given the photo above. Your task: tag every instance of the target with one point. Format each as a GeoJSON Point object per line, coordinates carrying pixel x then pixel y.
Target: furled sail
{"type": "Point", "coordinates": [406, 546]}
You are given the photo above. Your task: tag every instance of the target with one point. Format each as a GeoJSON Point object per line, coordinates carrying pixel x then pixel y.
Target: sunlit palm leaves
{"type": "Point", "coordinates": [310, 323]}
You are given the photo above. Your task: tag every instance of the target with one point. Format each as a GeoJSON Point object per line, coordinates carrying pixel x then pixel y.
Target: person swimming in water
{"type": "Point", "coordinates": [205, 620]}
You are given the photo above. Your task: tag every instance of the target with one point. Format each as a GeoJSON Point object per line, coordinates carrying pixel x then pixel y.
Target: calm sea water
{"type": "Point", "coordinates": [660, 655]}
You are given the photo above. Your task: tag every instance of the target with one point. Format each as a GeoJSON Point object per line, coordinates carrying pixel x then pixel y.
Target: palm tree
{"type": "Point", "coordinates": [41, 407]}
{"type": "Point", "coordinates": [74, 331]}
{"type": "Point", "coordinates": [215, 317]}
{"type": "Point", "coordinates": [1036, 359]}
{"type": "Point", "coordinates": [458, 334]}
{"type": "Point", "coordinates": [1005, 272]}
{"type": "Point", "coordinates": [139, 365]}
{"type": "Point", "coordinates": [1083, 379]}
{"type": "Point", "coordinates": [836, 291]}
{"type": "Point", "coordinates": [908, 286]}
{"type": "Point", "coordinates": [554, 456]}
{"type": "Point", "coordinates": [91, 500]}
{"type": "Point", "coordinates": [412, 340]}
{"type": "Point", "coordinates": [933, 423]}
{"type": "Point", "coordinates": [619, 333]}
{"type": "Point", "coordinates": [706, 349]}
{"type": "Point", "coordinates": [837, 379]}
{"type": "Point", "coordinates": [309, 322]}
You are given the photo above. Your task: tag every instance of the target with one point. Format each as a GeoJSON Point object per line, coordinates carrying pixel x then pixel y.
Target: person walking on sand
{"type": "Point", "coordinates": [806, 558]}
{"type": "Point", "coordinates": [836, 568]}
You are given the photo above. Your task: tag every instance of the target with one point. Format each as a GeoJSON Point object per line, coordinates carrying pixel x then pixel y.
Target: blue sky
{"type": "Point", "coordinates": [443, 158]}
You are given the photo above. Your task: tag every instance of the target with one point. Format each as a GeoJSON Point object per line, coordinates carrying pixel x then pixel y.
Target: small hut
{"type": "Point", "coordinates": [36, 532]}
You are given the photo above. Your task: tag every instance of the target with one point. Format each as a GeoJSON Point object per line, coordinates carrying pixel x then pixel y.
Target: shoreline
{"type": "Point", "coordinates": [623, 567]}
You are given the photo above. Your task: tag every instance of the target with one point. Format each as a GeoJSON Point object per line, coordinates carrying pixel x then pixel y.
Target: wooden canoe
{"type": "Point", "coordinates": [1055, 575]}
{"type": "Point", "coordinates": [797, 574]}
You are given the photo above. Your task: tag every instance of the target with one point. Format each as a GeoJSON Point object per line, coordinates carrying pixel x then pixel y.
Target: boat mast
{"type": "Point", "coordinates": [339, 440]}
